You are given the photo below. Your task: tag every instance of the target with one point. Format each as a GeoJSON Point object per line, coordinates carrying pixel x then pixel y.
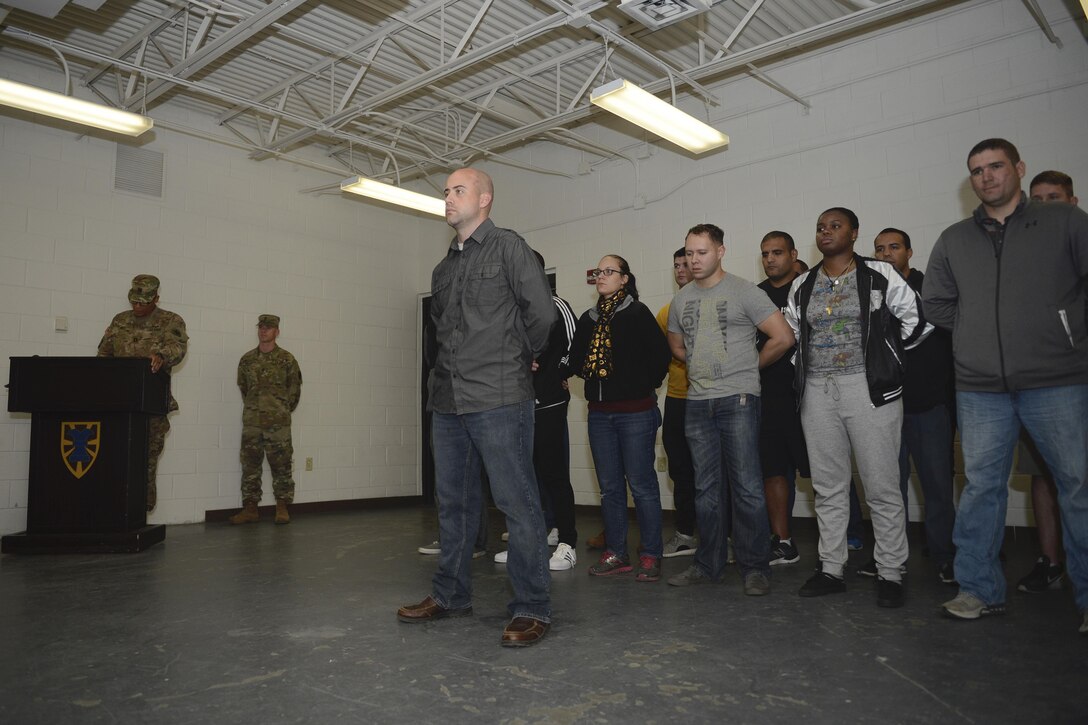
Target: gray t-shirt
{"type": "Point", "coordinates": [719, 329]}
{"type": "Point", "coordinates": [834, 313]}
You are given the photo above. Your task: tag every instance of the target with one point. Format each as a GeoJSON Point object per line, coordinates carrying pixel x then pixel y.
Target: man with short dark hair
{"type": "Point", "coordinates": [492, 313]}
{"type": "Point", "coordinates": [681, 469]}
{"type": "Point", "coordinates": [1049, 569]}
{"type": "Point", "coordinates": [712, 327]}
{"type": "Point", "coordinates": [1010, 283]}
{"type": "Point", "coordinates": [782, 451]}
{"type": "Point", "coordinates": [928, 395]}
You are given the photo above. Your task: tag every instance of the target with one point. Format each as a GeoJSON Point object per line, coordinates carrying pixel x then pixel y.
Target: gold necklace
{"type": "Point", "coordinates": [833, 283]}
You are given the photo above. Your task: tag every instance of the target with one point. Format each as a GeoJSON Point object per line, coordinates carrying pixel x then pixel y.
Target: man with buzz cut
{"type": "Point", "coordinates": [782, 451]}
{"type": "Point", "coordinates": [1049, 569]}
{"type": "Point", "coordinates": [681, 470]}
{"type": "Point", "coordinates": [928, 396]}
{"type": "Point", "coordinates": [492, 312]}
{"type": "Point", "coordinates": [713, 323]}
{"type": "Point", "coordinates": [1009, 281]}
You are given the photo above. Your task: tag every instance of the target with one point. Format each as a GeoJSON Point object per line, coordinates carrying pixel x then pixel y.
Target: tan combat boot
{"type": "Point", "coordinates": [282, 517]}
{"type": "Point", "coordinates": [247, 515]}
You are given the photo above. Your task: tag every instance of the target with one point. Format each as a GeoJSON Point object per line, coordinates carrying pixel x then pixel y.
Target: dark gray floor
{"type": "Point", "coordinates": [296, 624]}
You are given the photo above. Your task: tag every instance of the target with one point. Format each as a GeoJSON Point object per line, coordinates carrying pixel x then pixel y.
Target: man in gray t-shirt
{"type": "Point", "coordinates": [712, 327]}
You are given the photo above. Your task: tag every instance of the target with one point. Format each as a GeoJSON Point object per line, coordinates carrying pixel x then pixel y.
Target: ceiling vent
{"type": "Point", "coordinates": [138, 171]}
{"type": "Point", "coordinates": [656, 14]}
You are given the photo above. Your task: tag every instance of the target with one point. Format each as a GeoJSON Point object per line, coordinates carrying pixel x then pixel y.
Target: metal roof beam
{"type": "Point", "coordinates": [435, 74]}
{"type": "Point", "coordinates": [799, 39]}
{"type": "Point", "coordinates": [321, 65]}
{"type": "Point", "coordinates": [225, 43]}
{"type": "Point", "coordinates": [148, 31]}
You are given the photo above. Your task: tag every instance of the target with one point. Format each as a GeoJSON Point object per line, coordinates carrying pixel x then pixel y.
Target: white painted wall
{"type": "Point", "coordinates": [231, 239]}
{"type": "Point", "coordinates": [893, 116]}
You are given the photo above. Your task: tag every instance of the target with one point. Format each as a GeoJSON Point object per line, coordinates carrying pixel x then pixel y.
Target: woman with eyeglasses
{"type": "Point", "coordinates": [853, 317]}
{"type": "Point", "coordinates": [620, 352]}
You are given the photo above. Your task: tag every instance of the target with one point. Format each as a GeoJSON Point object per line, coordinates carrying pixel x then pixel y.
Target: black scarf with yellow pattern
{"type": "Point", "coordinates": [598, 364]}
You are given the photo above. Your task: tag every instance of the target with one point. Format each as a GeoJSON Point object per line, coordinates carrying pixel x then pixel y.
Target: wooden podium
{"type": "Point", "coordinates": [87, 490]}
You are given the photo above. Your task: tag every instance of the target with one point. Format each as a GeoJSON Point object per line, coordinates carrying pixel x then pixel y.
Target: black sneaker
{"type": "Point", "coordinates": [947, 575]}
{"type": "Point", "coordinates": [889, 594]}
{"type": "Point", "coordinates": [822, 583]}
{"type": "Point", "coordinates": [1044, 576]}
{"type": "Point", "coordinates": [783, 551]}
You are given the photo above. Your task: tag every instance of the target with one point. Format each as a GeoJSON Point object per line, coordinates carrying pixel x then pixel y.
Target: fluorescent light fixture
{"type": "Point", "coordinates": [394, 195]}
{"type": "Point", "coordinates": [647, 110]}
{"type": "Point", "coordinates": [36, 100]}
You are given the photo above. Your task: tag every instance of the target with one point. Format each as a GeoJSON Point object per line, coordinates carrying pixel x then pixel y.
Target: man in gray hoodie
{"type": "Point", "coordinates": [1009, 281]}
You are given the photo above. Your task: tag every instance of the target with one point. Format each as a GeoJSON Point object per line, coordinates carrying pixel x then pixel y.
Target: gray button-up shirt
{"type": "Point", "coordinates": [492, 311]}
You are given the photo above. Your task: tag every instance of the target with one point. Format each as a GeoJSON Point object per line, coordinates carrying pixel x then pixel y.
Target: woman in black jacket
{"type": "Point", "coordinates": [852, 317]}
{"type": "Point", "coordinates": [619, 351]}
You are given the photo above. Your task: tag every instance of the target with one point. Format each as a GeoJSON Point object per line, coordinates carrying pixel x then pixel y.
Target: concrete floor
{"type": "Point", "coordinates": [296, 624]}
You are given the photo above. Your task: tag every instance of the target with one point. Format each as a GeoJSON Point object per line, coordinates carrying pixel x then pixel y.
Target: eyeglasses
{"type": "Point", "coordinates": [608, 272]}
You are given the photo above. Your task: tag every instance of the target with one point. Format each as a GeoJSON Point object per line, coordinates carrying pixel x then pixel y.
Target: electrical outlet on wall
{"type": "Point", "coordinates": [309, 464]}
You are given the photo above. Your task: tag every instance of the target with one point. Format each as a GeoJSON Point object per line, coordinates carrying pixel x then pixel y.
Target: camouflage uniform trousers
{"type": "Point", "coordinates": [157, 427]}
{"type": "Point", "coordinates": [276, 444]}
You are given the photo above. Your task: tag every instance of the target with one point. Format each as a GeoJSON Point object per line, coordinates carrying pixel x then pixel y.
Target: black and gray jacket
{"type": "Point", "coordinates": [892, 322]}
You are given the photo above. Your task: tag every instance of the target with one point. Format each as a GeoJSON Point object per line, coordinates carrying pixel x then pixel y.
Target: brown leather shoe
{"type": "Point", "coordinates": [524, 632]}
{"type": "Point", "coordinates": [429, 610]}
{"type": "Point", "coordinates": [596, 542]}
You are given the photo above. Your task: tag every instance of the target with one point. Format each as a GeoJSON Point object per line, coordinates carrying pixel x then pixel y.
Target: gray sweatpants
{"type": "Point", "coordinates": [838, 415]}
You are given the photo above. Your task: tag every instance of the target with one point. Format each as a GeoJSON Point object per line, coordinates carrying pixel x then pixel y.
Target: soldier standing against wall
{"type": "Point", "coordinates": [151, 332]}
{"type": "Point", "coordinates": [271, 383]}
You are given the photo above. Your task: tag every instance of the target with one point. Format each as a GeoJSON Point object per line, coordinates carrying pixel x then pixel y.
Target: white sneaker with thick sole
{"type": "Point", "coordinates": [500, 558]}
{"type": "Point", "coordinates": [564, 558]}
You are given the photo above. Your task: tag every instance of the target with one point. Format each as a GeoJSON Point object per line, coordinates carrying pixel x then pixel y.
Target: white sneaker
{"type": "Point", "coordinates": [500, 558]}
{"type": "Point", "coordinates": [506, 536]}
{"type": "Point", "coordinates": [553, 537]}
{"type": "Point", "coordinates": [564, 558]}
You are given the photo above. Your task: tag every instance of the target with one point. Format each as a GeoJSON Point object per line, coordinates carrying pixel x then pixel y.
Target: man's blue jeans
{"type": "Point", "coordinates": [1057, 420]}
{"type": "Point", "coordinates": [927, 439]}
{"type": "Point", "coordinates": [623, 455]}
{"type": "Point", "coordinates": [723, 434]}
{"type": "Point", "coordinates": [501, 440]}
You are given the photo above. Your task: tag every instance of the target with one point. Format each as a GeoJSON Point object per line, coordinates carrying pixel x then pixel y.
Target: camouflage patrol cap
{"type": "Point", "coordinates": [268, 321]}
{"type": "Point", "coordinates": [145, 288]}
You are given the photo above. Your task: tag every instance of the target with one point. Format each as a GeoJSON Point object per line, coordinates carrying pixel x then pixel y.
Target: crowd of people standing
{"type": "Point", "coordinates": [859, 357]}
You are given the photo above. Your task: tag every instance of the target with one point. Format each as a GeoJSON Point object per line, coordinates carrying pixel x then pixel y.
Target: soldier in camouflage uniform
{"type": "Point", "coordinates": [271, 384]}
{"type": "Point", "coordinates": [148, 331]}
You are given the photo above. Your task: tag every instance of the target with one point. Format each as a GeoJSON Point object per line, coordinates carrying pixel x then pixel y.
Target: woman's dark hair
{"type": "Point", "coordinates": [625, 268]}
{"type": "Point", "coordinates": [850, 216]}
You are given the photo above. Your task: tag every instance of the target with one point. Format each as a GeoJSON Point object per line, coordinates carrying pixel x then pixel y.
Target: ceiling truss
{"type": "Point", "coordinates": [414, 87]}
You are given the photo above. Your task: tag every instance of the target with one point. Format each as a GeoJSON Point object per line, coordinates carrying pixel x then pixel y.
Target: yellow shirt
{"type": "Point", "coordinates": [678, 371]}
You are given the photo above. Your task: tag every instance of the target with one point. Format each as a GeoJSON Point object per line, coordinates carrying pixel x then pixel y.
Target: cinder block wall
{"type": "Point", "coordinates": [231, 238]}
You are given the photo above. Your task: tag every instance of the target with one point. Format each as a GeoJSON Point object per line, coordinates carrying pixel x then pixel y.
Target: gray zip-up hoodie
{"type": "Point", "coordinates": [1016, 306]}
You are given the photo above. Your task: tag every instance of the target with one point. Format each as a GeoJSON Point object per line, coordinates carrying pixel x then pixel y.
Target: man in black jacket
{"type": "Point", "coordinates": [928, 396]}
{"type": "Point", "coordinates": [1009, 281]}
